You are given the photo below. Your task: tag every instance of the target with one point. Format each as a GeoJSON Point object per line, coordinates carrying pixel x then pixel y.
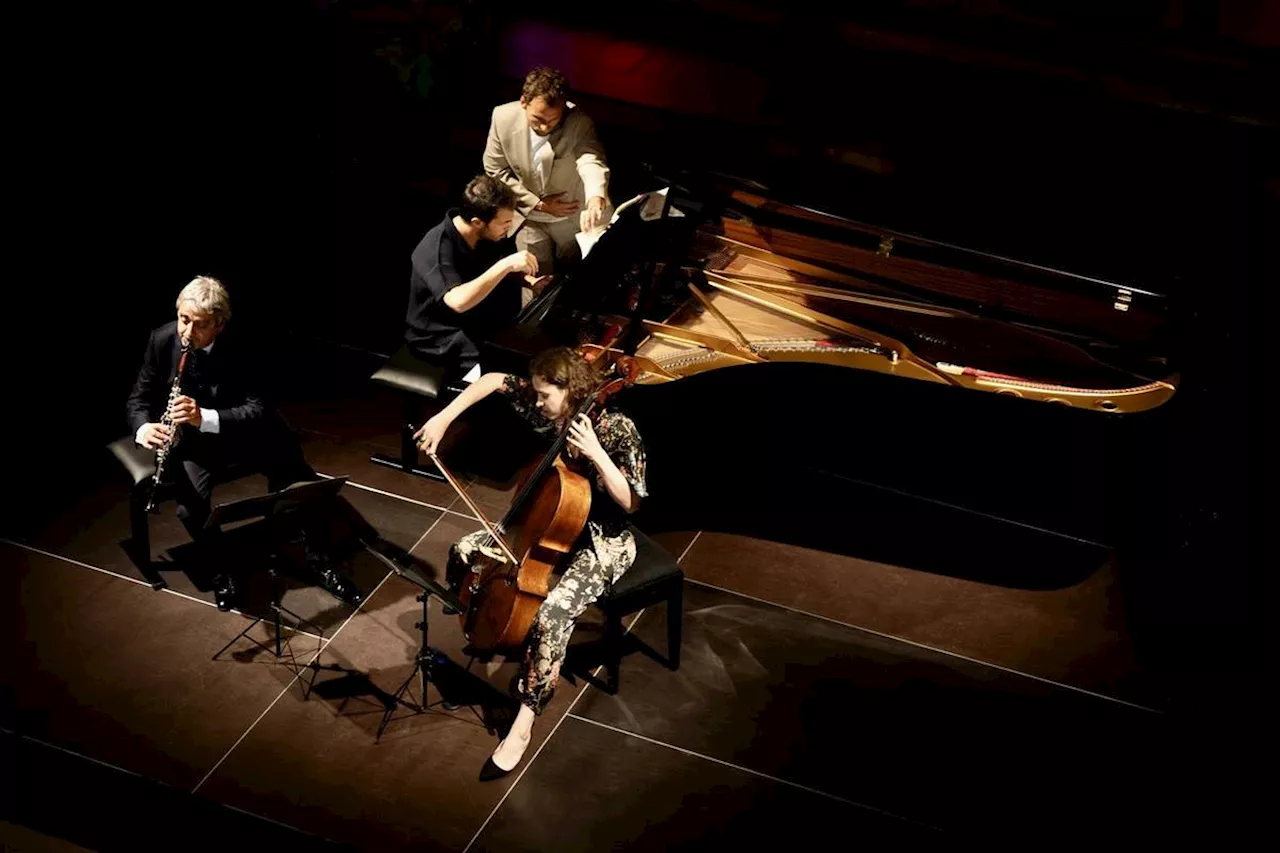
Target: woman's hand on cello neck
{"type": "Point", "coordinates": [582, 437]}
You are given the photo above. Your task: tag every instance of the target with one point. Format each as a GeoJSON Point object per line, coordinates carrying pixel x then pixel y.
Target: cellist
{"type": "Point", "coordinates": [613, 458]}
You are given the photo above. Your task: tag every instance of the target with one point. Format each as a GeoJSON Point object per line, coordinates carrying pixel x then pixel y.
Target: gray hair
{"type": "Point", "coordinates": [209, 296]}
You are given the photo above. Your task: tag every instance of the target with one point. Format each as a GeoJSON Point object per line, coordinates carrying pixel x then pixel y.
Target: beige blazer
{"type": "Point", "coordinates": [578, 170]}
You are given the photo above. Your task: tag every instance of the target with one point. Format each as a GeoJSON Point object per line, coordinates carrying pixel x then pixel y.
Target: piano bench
{"type": "Point", "coordinates": [415, 380]}
{"type": "Point", "coordinates": [140, 464]}
{"type": "Point", "coordinates": [655, 577]}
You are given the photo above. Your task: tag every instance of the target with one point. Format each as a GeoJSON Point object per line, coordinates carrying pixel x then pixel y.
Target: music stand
{"type": "Point", "coordinates": [627, 240]}
{"type": "Point", "coordinates": [277, 509]}
{"type": "Point", "coordinates": [400, 562]}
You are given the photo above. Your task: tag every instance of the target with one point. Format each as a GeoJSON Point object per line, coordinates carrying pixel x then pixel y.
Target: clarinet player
{"type": "Point", "coordinates": [221, 413]}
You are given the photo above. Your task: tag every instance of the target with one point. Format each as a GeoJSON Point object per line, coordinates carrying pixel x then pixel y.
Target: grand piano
{"type": "Point", "coordinates": [770, 281]}
{"type": "Point", "coordinates": [788, 352]}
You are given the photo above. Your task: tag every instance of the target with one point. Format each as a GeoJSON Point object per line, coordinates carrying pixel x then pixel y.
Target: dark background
{"type": "Point", "coordinates": [298, 150]}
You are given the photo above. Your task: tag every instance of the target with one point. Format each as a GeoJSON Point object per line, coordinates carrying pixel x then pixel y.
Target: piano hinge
{"type": "Point", "coordinates": [886, 246]}
{"type": "Point", "coordinates": [1123, 300]}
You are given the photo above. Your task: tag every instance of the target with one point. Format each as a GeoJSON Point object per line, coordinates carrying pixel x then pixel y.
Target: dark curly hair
{"type": "Point", "coordinates": [484, 197]}
{"type": "Point", "coordinates": [564, 368]}
{"type": "Point", "coordinates": [546, 83]}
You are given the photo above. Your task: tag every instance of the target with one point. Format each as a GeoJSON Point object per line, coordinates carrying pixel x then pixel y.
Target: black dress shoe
{"type": "Point", "coordinates": [340, 586]}
{"type": "Point", "coordinates": [491, 771]}
{"type": "Point", "coordinates": [225, 592]}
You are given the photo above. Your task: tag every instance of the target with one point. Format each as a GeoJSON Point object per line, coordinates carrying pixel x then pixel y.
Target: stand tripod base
{"type": "Point", "coordinates": [278, 649]}
{"type": "Point", "coordinates": [277, 608]}
{"type": "Point", "coordinates": [422, 672]}
{"type": "Point", "coordinates": [423, 665]}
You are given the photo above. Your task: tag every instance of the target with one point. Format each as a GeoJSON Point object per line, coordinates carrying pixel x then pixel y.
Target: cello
{"type": "Point", "coordinates": [510, 576]}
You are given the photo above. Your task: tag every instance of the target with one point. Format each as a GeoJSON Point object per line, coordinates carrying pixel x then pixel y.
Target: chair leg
{"type": "Point", "coordinates": [613, 650]}
{"type": "Point", "coordinates": [675, 624]}
{"type": "Point", "coordinates": [408, 450]}
{"type": "Point", "coordinates": [140, 537]}
{"type": "Point", "coordinates": [407, 461]}
{"type": "Point", "coordinates": [139, 529]}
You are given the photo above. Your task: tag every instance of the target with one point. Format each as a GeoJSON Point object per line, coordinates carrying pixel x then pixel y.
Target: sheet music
{"type": "Point", "coordinates": [651, 210]}
{"type": "Point", "coordinates": [653, 206]}
{"type": "Point", "coordinates": [587, 240]}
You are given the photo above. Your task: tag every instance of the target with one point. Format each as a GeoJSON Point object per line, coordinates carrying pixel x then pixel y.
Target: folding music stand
{"type": "Point", "coordinates": [400, 562]}
{"type": "Point", "coordinates": [622, 243]}
{"type": "Point", "coordinates": [278, 510]}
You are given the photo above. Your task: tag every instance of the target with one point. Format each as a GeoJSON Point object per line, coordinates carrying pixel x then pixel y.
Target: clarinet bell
{"type": "Point", "coordinates": [153, 507]}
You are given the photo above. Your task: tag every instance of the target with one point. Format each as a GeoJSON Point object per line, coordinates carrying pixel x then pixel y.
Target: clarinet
{"type": "Point", "coordinates": [162, 454]}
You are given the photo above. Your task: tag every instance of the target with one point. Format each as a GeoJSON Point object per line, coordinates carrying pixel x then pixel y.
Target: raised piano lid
{"type": "Point", "coordinates": [913, 267]}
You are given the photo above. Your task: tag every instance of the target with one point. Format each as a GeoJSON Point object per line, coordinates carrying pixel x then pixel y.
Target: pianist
{"type": "Point", "coordinates": [545, 149]}
{"type": "Point", "coordinates": [465, 286]}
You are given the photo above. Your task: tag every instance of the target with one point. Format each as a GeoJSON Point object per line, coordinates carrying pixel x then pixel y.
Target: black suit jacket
{"type": "Point", "coordinates": [221, 379]}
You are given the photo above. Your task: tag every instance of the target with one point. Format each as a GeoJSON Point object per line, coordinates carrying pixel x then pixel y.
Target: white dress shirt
{"type": "Point", "coordinates": [542, 154]}
{"type": "Point", "coordinates": [209, 421]}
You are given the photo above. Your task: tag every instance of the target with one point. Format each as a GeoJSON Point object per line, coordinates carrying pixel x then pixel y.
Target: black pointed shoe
{"type": "Point", "coordinates": [492, 771]}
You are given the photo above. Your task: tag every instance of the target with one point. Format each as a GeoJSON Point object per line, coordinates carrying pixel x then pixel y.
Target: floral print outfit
{"type": "Point", "coordinates": [601, 555]}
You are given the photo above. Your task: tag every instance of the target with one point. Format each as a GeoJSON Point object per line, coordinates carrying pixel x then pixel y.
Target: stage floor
{"type": "Point", "coordinates": [821, 696]}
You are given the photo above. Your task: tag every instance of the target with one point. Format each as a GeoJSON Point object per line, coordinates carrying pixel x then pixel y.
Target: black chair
{"type": "Point", "coordinates": [140, 464]}
{"type": "Point", "coordinates": [415, 380]}
{"type": "Point", "coordinates": [655, 577]}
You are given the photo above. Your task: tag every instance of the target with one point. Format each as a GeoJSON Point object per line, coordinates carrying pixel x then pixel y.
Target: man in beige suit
{"type": "Point", "coordinates": [546, 150]}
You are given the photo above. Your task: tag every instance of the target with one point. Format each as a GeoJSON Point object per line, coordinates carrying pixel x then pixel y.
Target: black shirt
{"type": "Point", "coordinates": [442, 261]}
